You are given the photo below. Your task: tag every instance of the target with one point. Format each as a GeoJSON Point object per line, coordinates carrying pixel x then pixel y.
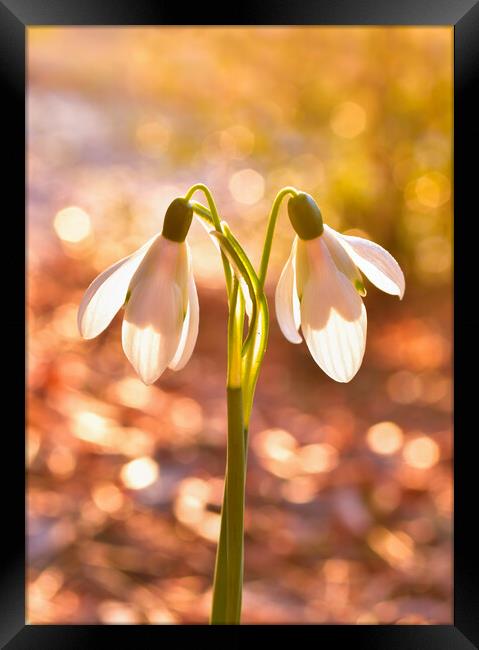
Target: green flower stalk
{"type": "Point", "coordinates": [320, 291]}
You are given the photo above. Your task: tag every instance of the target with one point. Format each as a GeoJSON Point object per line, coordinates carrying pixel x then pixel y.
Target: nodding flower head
{"type": "Point", "coordinates": [156, 286]}
{"type": "Point", "coordinates": [321, 287]}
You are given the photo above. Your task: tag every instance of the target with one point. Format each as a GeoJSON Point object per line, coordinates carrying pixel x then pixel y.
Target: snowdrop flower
{"type": "Point", "coordinates": [320, 289]}
{"type": "Point", "coordinates": [157, 288]}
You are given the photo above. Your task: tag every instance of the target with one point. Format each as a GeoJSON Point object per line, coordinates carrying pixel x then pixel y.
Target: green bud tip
{"type": "Point", "coordinates": [305, 216]}
{"type": "Point", "coordinates": [360, 288]}
{"type": "Point", "coordinates": [177, 220]}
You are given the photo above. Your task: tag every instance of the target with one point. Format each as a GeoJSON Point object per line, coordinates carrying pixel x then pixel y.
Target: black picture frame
{"type": "Point", "coordinates": [15, 17]}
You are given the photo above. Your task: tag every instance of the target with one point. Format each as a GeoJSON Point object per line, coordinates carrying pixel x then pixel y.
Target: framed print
{"type": "Point", "coordinates": [249, 337]}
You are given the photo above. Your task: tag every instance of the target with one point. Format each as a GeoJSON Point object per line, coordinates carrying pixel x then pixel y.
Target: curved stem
{"type": "Point", "coordinates": [203, 212]}
{"type": "Point", "coordinates": [268, 241]}
{"type": "Point", "coordinates": [244, 362]}
{"type": "Point", "coordinates": [228, 578]}
{"type": "Point", "coordinates": [255, 344]}
{"type": "Point", "coordinates": [216, 222]}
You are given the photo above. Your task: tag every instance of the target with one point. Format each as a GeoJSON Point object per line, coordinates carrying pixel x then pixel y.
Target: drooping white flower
{"type": "Point", "coordinates": [320, 290]}
{"type": "Point", "coordinates": [160, 325]}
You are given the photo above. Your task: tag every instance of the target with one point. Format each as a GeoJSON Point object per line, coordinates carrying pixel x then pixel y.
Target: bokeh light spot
{"type": "Point", "coordinates": [348, 120]}
{"type": "Point", "coordinates": [404, 387]}
{"type": "Point", "coordinates": [421, 452]}
{"type": "Point", "coordinates": [384, 438]}
{"type": "Point", "coordinates": [318, 458]}
{"type": "Point", "coordinates": [61, 461]}
{"type": "Point", "coordinates": [247, 186]}
{"type": "Point", "coordinates": [72, 224]}
{"type": "Point", "coordinates": [140, 473]}
{"type": "Point", "coordinates": [107, 497]}
{"type": "Point", "coordinates": [433, 189]}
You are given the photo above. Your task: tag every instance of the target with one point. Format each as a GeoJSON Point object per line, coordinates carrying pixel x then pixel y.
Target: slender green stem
{"type": "Point", "coordinates": [255, 344]}
{"type": "Point", "coordinates": [203, 212]}
{"type": "Point", "coordinates": [235, 504]}
{"type": "Point", "coordinates": [216, 222]}
{"type": "Point", "coordinates": [254, 352]}
{"type": "Point", "coordinates": [244, 362]}
{"type": "Point", "coordinates": [218, 606]}
{"type": "Point", "coordinates": [218, 609]}
{"type": "Point", "coordinates": [235, 462]}
{"type": "Point", "coordinates": [268, 241]}
{"type": "Point", "coordinates": [228, 581]}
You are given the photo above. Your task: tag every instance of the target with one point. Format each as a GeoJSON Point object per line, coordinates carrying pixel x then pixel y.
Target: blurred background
{"type": "Point", "coordinates": [349, 491]}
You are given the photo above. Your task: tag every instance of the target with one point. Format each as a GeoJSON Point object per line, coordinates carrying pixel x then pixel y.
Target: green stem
{"type": "Point", "coordinates": [244, 362]}
{"type": "Point", "coordinates": [218, 606]}
{"type": "Point", "coordinates": [220, 585]}
{"type": "Point", "coordinates": [253, 352]}
{"type": "Point", "coordinates": [235, 462]}
{"type": "Point", "coordinates": [235, 505]}
{"type": "Point", "coordinates": [228, 580]}
{"type": "Point", "coordinates": [268, 241]}
{"type": "Point", "coordinates": [216, 222]}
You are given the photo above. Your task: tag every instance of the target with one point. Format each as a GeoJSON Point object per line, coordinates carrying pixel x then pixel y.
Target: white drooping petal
{"type": "Point", "coordinates": [375, 262]}
{"type": "Point", "coordinates": [189, 332]}
{"type": "Point", "coordinates": [154, 315]}
{"type": "Point", "coordinates": [333, 316]}
{"type": "Point", "coordinates": [342, 260]}
{"type": "Point", "coordinates": [106, 294]}
{"type": "Point", "coordinates": [286, 299]}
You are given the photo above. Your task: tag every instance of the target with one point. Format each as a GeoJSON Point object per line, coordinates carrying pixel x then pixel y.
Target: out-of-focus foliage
{"type": "Point", "coordinates": [348, 514]}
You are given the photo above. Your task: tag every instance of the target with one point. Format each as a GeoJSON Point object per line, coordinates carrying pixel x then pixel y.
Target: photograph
{"type": "Point", "coordinates": [239, 308]}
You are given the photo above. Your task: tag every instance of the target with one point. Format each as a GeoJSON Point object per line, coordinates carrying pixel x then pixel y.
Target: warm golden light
{"type": "Point", "coordinates": [72, 224]}
{"type": "Point", "coordinates": [432, 189]}
{"type": "Point", "coordinates": [317, 458]}
{"type": "Point", "coordinates": [300, 489]}
{"type": "Point", "coordinates": [140, 473]}
{"type": "Point", "coordinates": [348, 120]}
{"type": "Point", "coordinates": [112, 612]}
{"type": "Point", "coordinates": [276, 444]}
{"type": "Point", "coordinates": [247, 186]}
{"type": "Point", "coordinates": [237, 141]}
{"type": "Point", "coordinates": [404, 387]}
{"type": "Point", "coordinates": [133, 392]}
{"type": "Point", "coordinates": [421, 452]}
{"type": "Point", "coordinates": [187, 415]}
{"type": "Point", "coordinates": [107, 497]}
{"type": "Point", "coordinates": [384, 438]}
{"type": "Point", "coordinates": [61, 461]}
{"type": "Point", "coordinates": [396, 547]}
{"type": "Point", "coordinates": [191, 500]}
{"type": "Point", "coordinates": [153, 137]}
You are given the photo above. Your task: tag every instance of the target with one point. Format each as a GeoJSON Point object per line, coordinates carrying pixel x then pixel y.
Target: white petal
{"type": "Point", "coordinates": [286, 299]}
{"type": "Point", "coordinates": [375, 262]}
{"type": "Point", "coordinates": [154, 315]}
{"type": "Point", "coordinates": [333, 316]}
{"type": "Point", "coordinates": [189, 332]}
{"type": "Point", "coordinates": [342, 260]}
{"type": "Point", "coordinates": [107, 293]}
